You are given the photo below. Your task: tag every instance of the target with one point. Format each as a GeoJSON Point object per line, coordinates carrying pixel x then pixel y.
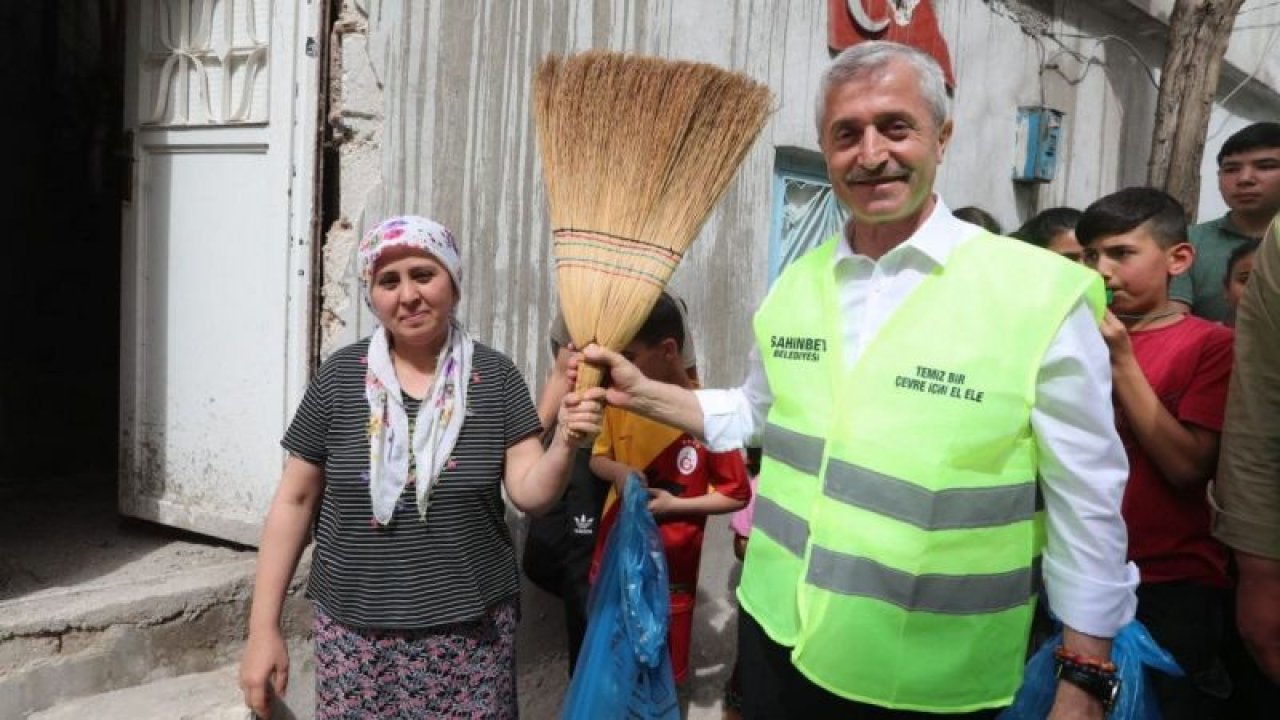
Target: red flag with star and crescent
{"type": "Point", "coordinates": [910, 22]}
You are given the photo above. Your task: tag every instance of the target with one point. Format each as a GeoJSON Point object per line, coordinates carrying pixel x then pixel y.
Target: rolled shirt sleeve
{"type": "Point", "coordinates": [1083, 471]}
{"type": "Point", "coordinates": [735, 418]}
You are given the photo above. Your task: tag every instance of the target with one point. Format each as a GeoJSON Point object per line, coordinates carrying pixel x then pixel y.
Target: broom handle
{"type": "Point", "coordinates": [589, 376]}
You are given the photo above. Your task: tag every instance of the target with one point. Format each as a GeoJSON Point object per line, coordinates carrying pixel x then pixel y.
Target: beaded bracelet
{"type": "Point", "coordinates": [1105, 667]}
{"type": "Point", "coordinates": [1095, 676]}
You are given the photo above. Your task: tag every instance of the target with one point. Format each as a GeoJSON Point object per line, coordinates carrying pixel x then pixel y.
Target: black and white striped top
{"type": "Point", "coordinates": [410, 575]}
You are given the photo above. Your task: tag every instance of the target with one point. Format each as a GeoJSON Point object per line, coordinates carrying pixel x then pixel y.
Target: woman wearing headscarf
{"type": "Point", "coordinates": [397, 456]}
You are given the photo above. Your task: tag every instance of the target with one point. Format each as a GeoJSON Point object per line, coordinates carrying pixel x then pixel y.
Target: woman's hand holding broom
{"type": "Point", "coordinates": [580, 416]}
{"type": "Point", "coordinates": [535, 477]}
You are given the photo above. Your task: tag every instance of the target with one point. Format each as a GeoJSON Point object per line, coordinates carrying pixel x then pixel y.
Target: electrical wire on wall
{"type": "Point", "coordinates": [1039, 32]}
{"type": "Point", "coordinates": [1262, 59]}
{"type": "Point", "coordinates": [1092, 58]}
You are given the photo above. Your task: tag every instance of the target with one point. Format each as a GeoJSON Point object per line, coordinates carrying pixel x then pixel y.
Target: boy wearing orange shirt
{"type": "Point", "coordinates": [686, 481]}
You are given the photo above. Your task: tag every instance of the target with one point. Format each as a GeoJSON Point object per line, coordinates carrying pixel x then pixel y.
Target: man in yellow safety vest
{"type": "Point", "coordinates": [934, 406]}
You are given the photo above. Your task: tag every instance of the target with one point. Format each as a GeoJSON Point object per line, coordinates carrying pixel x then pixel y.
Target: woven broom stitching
{"type": "Point", "coordinates": [615, 256]}
{"type": "Point", "coordinates": [635, 151]}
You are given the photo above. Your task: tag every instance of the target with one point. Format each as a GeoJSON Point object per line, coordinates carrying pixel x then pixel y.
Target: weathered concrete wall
{"type": "Point", "coordinates": [445, 89]}
{"type": "Point", "coordinates": [431, 110]}
{"type": "Point", "coordinates": [1098, 62]}
{"type": "Point", "coordinates": [1255, 39]}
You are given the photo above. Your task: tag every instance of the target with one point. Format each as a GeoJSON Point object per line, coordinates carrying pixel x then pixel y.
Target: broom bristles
{"type": "Point", "coordinates": [636, 151]}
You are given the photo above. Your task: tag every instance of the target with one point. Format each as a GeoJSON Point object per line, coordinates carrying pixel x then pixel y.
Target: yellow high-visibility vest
{"type": "Point", "coordinates": [897, 527]}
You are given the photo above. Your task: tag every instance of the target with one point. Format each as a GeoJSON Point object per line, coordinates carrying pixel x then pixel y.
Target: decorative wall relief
{"type": "Point", "coordinates": [204, 62]}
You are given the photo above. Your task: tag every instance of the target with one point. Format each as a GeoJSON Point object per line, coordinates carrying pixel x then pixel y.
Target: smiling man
{"type": "Point", "coordinates": [1249, 180]}
{"type": "Point", "coordinates": [956, 378]}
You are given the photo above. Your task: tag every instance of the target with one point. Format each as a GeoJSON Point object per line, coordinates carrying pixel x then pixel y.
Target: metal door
{"type": "Point", "coordinates": [221, 101]}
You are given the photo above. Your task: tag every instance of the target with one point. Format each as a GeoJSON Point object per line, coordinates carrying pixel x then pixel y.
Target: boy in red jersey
{"type": "Point", "coordinates": [1170, 373]}
{"type": "Point", "coordinates": [686, 481]}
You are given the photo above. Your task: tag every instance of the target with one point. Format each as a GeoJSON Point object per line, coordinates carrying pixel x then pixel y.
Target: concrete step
{"type": "Point", "coordinates": [211, 695]}
{"type": "Point", "coordinates": [91, 638]}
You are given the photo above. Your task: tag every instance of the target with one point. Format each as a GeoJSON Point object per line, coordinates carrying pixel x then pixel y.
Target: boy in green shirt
{"type": "Point", "coordinates": [1249, 180]}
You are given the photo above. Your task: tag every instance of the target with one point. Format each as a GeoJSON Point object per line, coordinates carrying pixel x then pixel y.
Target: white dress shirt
{"type": "Point", "coordinates": [1083, 468]}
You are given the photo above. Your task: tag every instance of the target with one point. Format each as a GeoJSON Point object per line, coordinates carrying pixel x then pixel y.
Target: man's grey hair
{"type": "Point", "coordinates": [863, 58]}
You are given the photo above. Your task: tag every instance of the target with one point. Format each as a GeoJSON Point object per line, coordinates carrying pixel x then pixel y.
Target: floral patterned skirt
{"type": "Point", "coordinates": [460, 670]}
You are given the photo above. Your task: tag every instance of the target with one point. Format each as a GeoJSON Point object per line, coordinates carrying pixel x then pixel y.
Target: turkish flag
{"type": "Point", "coordinates": [910, 22]}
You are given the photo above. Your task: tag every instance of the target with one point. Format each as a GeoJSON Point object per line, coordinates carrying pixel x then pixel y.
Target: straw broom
{"type": "Point", "coordinates": [635, 153]}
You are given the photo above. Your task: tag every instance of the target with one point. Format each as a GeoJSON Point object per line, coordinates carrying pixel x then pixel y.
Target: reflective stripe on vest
{"type": "Point", "coordinates": [947, 594]}
{"type": "Point", "coordinates": [780, 529]}
{"type": "Point", "coordinates": [802, 452]}
{"type": "Point", "coordinates": [861, 487]}
{"type": "Point", "coordinates": [940, 510]}
{"type": "Point", "coordinates": [786, 528]}
{"type": "Point", "coordinates": [897, 507]}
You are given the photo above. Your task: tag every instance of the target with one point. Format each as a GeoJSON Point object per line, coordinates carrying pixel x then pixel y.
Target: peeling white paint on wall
{"type": "Point", "coordinates": [340, 289]}
{"type": "Point", "coordinates": [356, 119]}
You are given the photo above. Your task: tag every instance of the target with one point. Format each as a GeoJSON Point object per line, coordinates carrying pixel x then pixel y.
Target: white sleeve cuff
{"type": "Point", "coordinates": [722, 422]}
{"type": "Point", "coordinates": [1088, 605]}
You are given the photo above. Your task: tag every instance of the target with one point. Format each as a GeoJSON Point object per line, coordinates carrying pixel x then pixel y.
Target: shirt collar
{"type": "Point", "coordinates": [934, 240]}
{"type": "Point", "coordinates": [1224, 225]}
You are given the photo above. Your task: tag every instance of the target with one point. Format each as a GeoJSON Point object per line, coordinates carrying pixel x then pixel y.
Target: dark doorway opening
{"type": "Point", "coordinates": [60, 281]}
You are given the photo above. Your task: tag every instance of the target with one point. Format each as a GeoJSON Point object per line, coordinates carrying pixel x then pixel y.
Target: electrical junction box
{"type": "Point", "coordinates": [1036, 154]}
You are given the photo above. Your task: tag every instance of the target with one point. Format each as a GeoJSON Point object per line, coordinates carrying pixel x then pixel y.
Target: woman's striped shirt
{"type": "Point", "coordinates": [407, 574]}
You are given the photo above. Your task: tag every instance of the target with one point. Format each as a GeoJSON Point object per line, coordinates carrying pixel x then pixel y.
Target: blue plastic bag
{"type": "Point", "coordinates": [1133, 651]}
{"type": "Point", "coordinates": [624, 669]}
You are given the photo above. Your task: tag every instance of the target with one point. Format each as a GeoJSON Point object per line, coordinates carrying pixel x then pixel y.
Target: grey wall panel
{"type": "Point", "coordinates": [457, 143]}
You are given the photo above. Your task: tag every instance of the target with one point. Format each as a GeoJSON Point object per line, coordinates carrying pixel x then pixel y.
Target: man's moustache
{"type": "Point", "coordinates": [856, 178]}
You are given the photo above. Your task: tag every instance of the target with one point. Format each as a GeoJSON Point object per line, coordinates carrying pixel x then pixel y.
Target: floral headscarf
{"type": "Point", "coordinates": [397, 448]}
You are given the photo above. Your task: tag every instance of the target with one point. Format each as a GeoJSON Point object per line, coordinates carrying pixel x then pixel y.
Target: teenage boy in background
{"type": "Point", "coordinates": [1249, 180]}
{"type": "Point", "coordinates": [1170, 373]}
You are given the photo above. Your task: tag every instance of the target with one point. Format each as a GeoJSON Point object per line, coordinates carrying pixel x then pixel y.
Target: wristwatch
{"type": "Point", "coordinates": [1103, 686]}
